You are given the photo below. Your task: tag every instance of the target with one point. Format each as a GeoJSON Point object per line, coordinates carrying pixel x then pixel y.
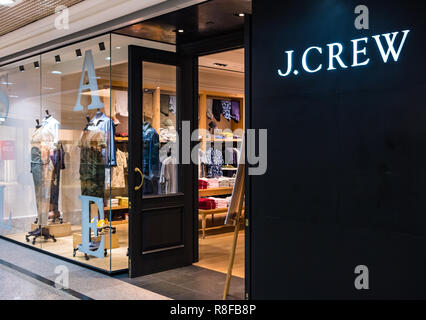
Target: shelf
{"type": "Point", "coordinates": [119, 222]}
{"type": "Point", "coordinates": [215, 192]}
{"type": "Point", "coordinates": [116, 208]}
{"type": "Point", "coordinates": [213, 211]}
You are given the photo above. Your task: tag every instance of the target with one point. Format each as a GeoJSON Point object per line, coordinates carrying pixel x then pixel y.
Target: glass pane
{"type": "Point", "coordinates": [24, 180]}
{"type": "Point", "coordinates": [76, 108]}
{"type": "Point", "coordinates": [160, 142]}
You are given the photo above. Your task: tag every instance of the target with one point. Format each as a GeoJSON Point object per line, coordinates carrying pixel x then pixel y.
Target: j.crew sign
{"type": "Point", "coordinates": [386, 45]}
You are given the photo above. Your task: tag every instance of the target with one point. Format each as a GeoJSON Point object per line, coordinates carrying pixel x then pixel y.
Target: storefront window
{"type": "Point", "coordinates": [20, 199]}
{"type": "Point", "coordinates": [59, 134]}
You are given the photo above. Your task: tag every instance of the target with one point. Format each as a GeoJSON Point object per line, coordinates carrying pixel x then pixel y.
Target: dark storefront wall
{"type": "Point", "coordinates": [346, 179]}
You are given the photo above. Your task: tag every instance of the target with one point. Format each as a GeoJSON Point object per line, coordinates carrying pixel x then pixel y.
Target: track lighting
{"type": "Point", "coordinates": [78, 53]}
{"type": "Point", "coordinates": [36, 65]}
{"type": "Point", "coordinates": [102, 46]}
{"type": "Point", "coordinates": [58, 59]}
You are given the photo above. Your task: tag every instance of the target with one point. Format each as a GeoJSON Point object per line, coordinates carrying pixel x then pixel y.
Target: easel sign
{"type": "Point", "coordinates": [234, 215]}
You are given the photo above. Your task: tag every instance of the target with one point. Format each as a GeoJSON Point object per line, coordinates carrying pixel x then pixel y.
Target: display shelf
{"type": "Point", "coordinates": [116, 208]}
{"type": "Point", "coordinates": [119, 222]}
{"type": "Point", "coordinates": [215, 192]}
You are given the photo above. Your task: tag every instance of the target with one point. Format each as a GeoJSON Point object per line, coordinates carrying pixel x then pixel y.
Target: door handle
{"type": "Point", "coordinates": [137, 170]}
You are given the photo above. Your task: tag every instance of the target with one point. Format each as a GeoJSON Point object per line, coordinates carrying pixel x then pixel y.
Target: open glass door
{"type": "Point", "coordinates": [161, 223]}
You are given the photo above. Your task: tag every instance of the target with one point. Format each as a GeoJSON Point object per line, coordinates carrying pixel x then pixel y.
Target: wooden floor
{"type": "Point", "coordinates": [215, 251]}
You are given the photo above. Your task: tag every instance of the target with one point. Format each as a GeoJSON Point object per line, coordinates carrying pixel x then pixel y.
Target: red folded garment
{"type": "Point", "coordinates": [206, 204]}
{"type": "Point", "coordinates": [202, 185]}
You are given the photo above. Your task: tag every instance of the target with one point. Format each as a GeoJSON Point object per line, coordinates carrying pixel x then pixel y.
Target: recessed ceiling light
{"type": "Point", "coordinates": [78, 53]}
{"type": "Point", "coordinates": [58, 58]}
{"type": "Point", "coordinates": [220, 65]}
{"type": "Point", "coordinates": [21, 68]}
{"type": "Point", "coordinates": [36, 65]}
{"type": "Point", "coordinates": [240, 14]}
{"type": "Point", "coordinates": [12, 96]}
{"type": "Point", "coordinates": [108, 58]}
{"type": "Point", "coordinates": [102, 46]}
{"type": "Point", "coordinates": [56, 72]}
{"type": "Point", "coordinates": [181, 31]}
{"type": "Point", "coordinates": [118, 48]}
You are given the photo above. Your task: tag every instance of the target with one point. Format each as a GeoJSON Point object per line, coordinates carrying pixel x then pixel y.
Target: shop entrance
{"type": "Point", "coordinates": [160, 186]}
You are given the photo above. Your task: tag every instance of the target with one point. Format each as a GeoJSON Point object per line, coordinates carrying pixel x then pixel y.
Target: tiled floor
{"type": "Point", "coordinates": [81, 280]}
{"type": "Point", "coordinates": [17, 286]}
{"type": "Point", "coordinates": [189, 283]}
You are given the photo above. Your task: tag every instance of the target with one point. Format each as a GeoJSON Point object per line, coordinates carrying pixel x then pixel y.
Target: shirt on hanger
{"type": "Point", "coordinates": [235, 111]}
{"type": "Point", "coordinates": [121, 103]}
{"type": "Point", "coordinates": [210, 108]}
{"type": "Point", "coordinates": [217, 109]}
{"type": "Point", "coordinates": [173, 104]}
{"type": "Point", "coordinates": [226, 109]}
{"type": "Point", "coordinates": [106, 125]}
{"type": "Point", "coordinates": [118, 177]}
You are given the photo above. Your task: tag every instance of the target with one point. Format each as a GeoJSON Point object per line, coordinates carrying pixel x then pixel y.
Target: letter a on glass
{"type": "Point", "coordinates": [92, 84]}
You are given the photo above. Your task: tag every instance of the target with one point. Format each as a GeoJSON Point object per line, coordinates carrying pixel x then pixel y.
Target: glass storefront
{"type": "Point", "coordinates": [64, 148]}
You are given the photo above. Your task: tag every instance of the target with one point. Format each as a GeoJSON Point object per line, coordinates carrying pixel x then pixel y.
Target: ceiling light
{"type": "Point", "coordinates": [21, 68]}
{"type": "Point", "coordinates": [118, 48]}
{"type": "Point", "coordinates": [56, 72]}
{"type": "Point", "coordinates": [36, 65]}
{"type": "Point", "coordinates": [12, 96]}
{"type": "Point", "coordinates": [108, 58]}
{"type": "Point", "coordinates": [240, 14]}
{"type": "Point", "coordinates": [78, 53]}
{"type": "Point", "coordinates": [102, 46]}
{"type": "Point", "coordinates": [181, 31]}
{"type": "Point", "coordinates": [58, 59]}
{"type": "Point", "coordinates": [220, 65]}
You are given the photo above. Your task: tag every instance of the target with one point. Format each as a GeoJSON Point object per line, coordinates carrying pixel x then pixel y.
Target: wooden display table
{"type": "Point", "coordinates": [205, 213]}
{"type": "Point", "coordinates": [215, 192]}
{"type": "Point", "coordinates": [113, 244]}
{"type": "Point", "coordinates": [57, 230]}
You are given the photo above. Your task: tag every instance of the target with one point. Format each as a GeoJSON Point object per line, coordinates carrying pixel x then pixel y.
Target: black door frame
{"type": "Point", "coordinates": [236, 40]}
{"type": "Point", "coordinates": [182, 253]}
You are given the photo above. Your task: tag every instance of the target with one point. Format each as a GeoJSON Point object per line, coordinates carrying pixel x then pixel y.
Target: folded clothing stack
{"type": "Point", "coordinates": [113, 202]}
{"type": "Point", "coordinates": [202, 184]}
{"type": "Point", "coordinates": [211, 183]}
{"type": "Point", "coordinates": [206, 204]}
{"type": "Point", "coordinates": [221, 203]}
{"type": "Point", "coordinates": [226, 182]}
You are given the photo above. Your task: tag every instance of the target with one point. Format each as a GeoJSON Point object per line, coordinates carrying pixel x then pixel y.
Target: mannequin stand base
{"type": "Point", "coordinates": [57, 230]}
{"type": "Point", "coordinates": [41, 232]}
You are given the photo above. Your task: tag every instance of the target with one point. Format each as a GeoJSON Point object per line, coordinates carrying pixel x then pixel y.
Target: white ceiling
{"type": "Point", "coordinates": [234, 60]}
